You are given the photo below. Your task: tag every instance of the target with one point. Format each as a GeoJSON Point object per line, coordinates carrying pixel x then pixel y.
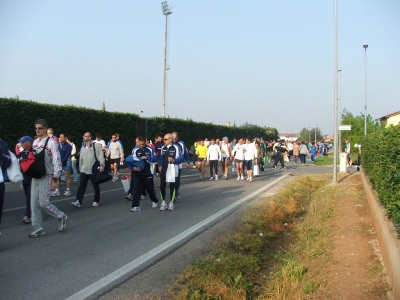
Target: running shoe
{"type": "Point", "coordinates": [136, 208]}
{"type": "Point", "coordinates": [76, 204]}
{"type": "Point", "coordinates": [37, 232]}
{"type": "Point", "coordinates": [67, 193]}
{"type": "Point", "coordinates": [154, 205]}
{"type": "Point", "coordinates": [26, 220]}
{"type": "Point", "coordinates": [171, 206]}
{"type": "Point", "coordinates": [55, 193]}
{"type": "Point", "coordinates": [63, 223]}
{"type": "Point", "coordinates": [95, 204]}
{"type": "Point", "coordinates": [163, 206]}
{"type": "Point", "coordinates": [129, 197]}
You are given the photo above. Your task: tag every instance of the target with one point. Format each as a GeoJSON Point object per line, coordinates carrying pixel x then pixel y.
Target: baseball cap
{"type": "Point", "coordinates": [225, 138]}
{"type": "Point", "coordinates": [25, 138]}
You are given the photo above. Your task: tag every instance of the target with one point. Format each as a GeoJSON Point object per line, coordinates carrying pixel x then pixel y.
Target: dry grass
{"type": "Point", "coordinates": [273, 255]}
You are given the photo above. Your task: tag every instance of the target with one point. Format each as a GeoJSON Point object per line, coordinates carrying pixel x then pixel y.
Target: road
{"type": "Point", "coordinates": [104, 246]}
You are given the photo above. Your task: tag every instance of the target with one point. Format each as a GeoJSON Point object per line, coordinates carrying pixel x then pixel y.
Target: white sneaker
{"type": "Point", "coordinates": [242, 178]}
{"type": "Point", "coordinates": [154, 205]}
{"type": "Point", "coordinates": [95, 204]}
{"type": "Point", "coordinates": [142, 197]}
{"type": "Point", "coordinates": [247, 179]}
{"type": "Point", "coordinates": [251, 179]}
{"type": "Point", "coordinates": [76, 203]}
{"type": "Point", "coordinates": [67, 193]}
{"type": "Point", "coordinates": [129, 197]}
{"type": "Point", "coordinates": [163, 206]}
{"type": "Point", "coordinates": [216, 177]}
{"type": "Point", "coordinates": [211, 178]}
{"type": "Point", "coordinates": [201, 178]}
{"type": "Point", "coordinates": [136, 208]}
{"type": "Point", "coordinates": [55, 193]}
{"type": "Point", "coordinates": [171, 206]}
{"type": "Point", "coordinates": [26, 220]}
{"type": "Point", "coordinates": [238, 178]}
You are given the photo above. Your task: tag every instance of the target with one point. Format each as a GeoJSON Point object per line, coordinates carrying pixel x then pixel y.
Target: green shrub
{"type": "Point", "coordinates": [18, 116]}
{"type": "Point", "coordinates": [381, 162]}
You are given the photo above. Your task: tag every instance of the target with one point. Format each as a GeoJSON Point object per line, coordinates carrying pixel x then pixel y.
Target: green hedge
{"type": "Point", "coordinates": [381, 161]}
{"type": "Point", "coordinates": [18, 116]}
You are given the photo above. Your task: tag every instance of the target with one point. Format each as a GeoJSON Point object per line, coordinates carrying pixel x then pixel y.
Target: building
{"type": "Point", "coordinates": [289, 136]}
{"type": "Point", "coordinates": [392, 119]}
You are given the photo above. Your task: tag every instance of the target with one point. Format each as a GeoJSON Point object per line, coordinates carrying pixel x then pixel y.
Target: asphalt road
{"type": "Point", "coordinates": [103, 247]}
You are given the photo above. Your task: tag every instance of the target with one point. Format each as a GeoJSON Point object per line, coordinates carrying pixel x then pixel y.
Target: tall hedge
{"type": "Point", "coordinates": [17, 118]}
{"type": "Point", "coordinates": [381, 161]}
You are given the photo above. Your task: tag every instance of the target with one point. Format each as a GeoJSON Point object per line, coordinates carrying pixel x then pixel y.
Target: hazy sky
{"type": "Point", "coordinates": [266, 62]}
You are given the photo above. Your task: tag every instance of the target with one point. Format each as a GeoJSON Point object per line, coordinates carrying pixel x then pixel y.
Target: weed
{"type": "Point", "coordinates": [309, 287]}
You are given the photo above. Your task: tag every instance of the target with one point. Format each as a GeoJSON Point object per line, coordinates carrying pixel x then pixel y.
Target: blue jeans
{"type": "Point", "coordinates": [312, 157]}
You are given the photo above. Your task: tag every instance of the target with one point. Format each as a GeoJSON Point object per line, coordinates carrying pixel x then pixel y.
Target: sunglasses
{"type": "Point", "coordinates": [39, 128]}
{"type": "Point", "coordinates": [166, 139]}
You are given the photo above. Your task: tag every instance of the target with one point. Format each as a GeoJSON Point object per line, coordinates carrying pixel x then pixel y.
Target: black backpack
{"type": "Point", "coordinates": [37, 169]}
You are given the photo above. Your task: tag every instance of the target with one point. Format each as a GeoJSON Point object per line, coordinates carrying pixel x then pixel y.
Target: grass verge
{"type": "Point", "coordinates": [276, 252]}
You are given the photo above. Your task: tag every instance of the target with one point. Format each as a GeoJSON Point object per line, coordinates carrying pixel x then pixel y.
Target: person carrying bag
{"type": "Point", "coordinates": [90, 158]}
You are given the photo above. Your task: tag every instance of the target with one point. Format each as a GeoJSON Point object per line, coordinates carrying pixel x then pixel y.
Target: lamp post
{"type": "Point", "coordinates": [335, 100]}
{"type": "Point", "coordinates": [146, 125]}
{"type": "Point", "coordinates": [339, 113]}
{"type": "Point", "coordinates": [365, 46]}
{"type": "Point", "coordinates": [309, 133]}
{"type": "Point", "coordinates": [315, 133]}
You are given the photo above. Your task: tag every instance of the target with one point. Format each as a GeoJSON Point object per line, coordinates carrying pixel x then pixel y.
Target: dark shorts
{"type": "Point", "coordinates": [238, 160]}
{"type": "Point", "coordinates": [66, 168]}
{"type": "Point", "coordinates": [114, 160]}
{"type": "Point", "coordinates": [248, 164]}
{"type": "Point", "coordinates": [200, 159]}
{"type": "Point", "coordinates": [225, 159]}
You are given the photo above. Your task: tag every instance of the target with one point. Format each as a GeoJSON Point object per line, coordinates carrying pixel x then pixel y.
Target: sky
{"type": "Point", "coordinates": [264, 62]}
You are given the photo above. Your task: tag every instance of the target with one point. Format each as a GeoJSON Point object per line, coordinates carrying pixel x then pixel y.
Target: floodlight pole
{"type": "Point", "coordinates": [365, 46]}
{"type": "Point", "coordinates": [166, 11]}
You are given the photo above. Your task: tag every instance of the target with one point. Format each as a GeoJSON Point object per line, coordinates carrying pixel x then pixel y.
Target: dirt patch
{"type": "Point", "coordinates": [355, 271]}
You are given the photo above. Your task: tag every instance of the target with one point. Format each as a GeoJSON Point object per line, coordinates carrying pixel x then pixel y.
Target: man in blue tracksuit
{"type": "Point", "coordinates": [143, 178]}
{"type": "Point", "coordinates": [185, 156]}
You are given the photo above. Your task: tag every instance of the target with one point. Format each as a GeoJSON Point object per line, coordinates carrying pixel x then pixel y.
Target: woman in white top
{"type": "Point", "coordinates": [249, 155]}
{"type": "Point", "coordinates": [238, 154]}
{"type": "Point", "coordinates": [226, 150]}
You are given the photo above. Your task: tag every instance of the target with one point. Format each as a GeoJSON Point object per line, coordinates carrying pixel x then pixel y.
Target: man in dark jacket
{"type": "Point", "coordinates": [26, 143]}
{"type": "Point", "coordinates": [5, 162]}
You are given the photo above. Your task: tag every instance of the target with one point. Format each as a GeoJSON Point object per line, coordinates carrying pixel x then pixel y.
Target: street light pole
{"type": "Point", "coordinates": [315, 133]}
{"type": "Point", "coordinates": [365, 46]}
{"type": "Point", "coordinates": [309, 133]}
{"type": "Point", "coordinates": [335, 126]}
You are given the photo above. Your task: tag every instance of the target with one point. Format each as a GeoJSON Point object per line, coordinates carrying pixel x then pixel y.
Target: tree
{"type": "Point", "coordinates": [309, 135]}
{"type": "Point", "coordinates": [356, 134]}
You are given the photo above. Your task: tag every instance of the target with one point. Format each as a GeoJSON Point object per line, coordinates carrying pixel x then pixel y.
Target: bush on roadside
{"type": "Point", "coordinates": [381, 162]}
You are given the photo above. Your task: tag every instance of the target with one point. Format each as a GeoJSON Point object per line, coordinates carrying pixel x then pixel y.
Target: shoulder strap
{"type": "Point", "coordinates": [94, 151]}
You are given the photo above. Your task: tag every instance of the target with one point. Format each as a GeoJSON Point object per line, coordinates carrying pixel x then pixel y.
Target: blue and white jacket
{"type": "Point", "coordinates": [151, 158]}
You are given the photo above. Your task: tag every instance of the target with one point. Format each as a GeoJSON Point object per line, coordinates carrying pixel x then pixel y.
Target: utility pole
{"type": "Point", "coordinates": [335, 100]}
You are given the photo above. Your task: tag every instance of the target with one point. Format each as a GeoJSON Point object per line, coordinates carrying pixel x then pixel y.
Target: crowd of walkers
{"type": "Point", "coordinates": [65, 162]}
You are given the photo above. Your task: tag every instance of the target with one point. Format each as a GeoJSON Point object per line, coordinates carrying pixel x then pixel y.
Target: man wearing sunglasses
{"type": "Point", "coordinates": [41, 187]}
